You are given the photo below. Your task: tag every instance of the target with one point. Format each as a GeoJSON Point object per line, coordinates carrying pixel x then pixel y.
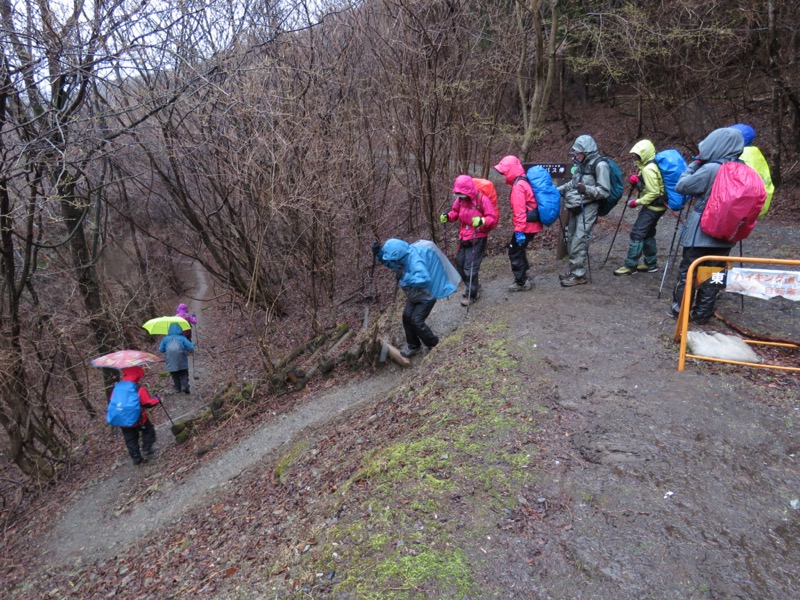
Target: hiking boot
{"type": "Point", "coordinates": [410, 351]}
{"type": "Point", "coordinates": [524, 287]}
{"type": "Point", "coordinates": [147, 451]}
{"type": "Point", "coordinates": [646, 268]}
{"type": "Point", "coordinates": [468, 301]}
{"type": "Point", "coordinates": [573, 280]}
{"type": "Point", "coordinates": [564, 276]}
{"type": "Point", "coordinates": [186, 391]}
{"type": "Point", "coordinates": [626, 270]}
{"type": "Point", "coordinates": [675, 309]}
{"type": "Point", "coordinates": [138, 461]}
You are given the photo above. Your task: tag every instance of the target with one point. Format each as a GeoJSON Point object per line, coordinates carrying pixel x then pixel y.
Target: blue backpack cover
{"type": "Point", "coordinates": [444, 277]}
{"type": "Point", "coordinates": [548, 198]}
{"type": "Point", "coordinates": [617, 187]}
{"type": "Point", "coordinates": [671, 164]}
{"type": "Point", "coordinates": [124, 408]}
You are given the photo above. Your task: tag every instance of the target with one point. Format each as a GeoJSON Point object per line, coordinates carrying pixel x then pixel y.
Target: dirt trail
{"type": "Point", "coordinates": [675, 478]}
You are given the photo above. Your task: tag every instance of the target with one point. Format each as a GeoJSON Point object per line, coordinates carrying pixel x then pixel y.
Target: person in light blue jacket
{"type": "Point", "coordinates": [176, 349]}
{"type": "Point", "coordinates": [421, 274]}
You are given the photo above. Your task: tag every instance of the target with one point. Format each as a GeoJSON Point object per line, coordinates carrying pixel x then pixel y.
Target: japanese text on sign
{"type": "Point", "coordinates": [555, 169]}
{"type": "Point", "coordinates": [764, 283]}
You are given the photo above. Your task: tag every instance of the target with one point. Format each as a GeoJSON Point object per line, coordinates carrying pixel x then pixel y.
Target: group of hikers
{"type": "Point", "coordinates": [420, 275]}
{"type": "Point", "coordinates": [176, 346]}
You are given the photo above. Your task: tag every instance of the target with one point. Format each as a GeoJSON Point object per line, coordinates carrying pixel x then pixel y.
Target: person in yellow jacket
{"type": "Point", "coordinates": [753, 158]}
{"type": "Point", "coordinates": [652, 198]}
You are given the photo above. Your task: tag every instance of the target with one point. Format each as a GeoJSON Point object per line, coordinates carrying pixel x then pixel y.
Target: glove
{"type": "Point", "coordinates": [519, 237]}
{"type": "Point", "coordinates": [581, 188]}
{"type": "Point", "coordinates": [443, 218]}
{"type": "Point", "coordinates": [633, 179]}
{"type": "Point", "coordinates": [632, 203]}
{"type": "Point", "coordinates": [478, 221]}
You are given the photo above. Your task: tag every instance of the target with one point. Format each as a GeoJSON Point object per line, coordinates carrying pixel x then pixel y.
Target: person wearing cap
{"type": "Point", "coordinates": [753, 158]}
{"type": "Point", "coordinates": [590, 183]}
{"type": "Point", "coordinates": [652, 197]}
{"type": "Point", "coordinates": [522, 200]}
{"type": "Point", "coordinates": [477, 216]}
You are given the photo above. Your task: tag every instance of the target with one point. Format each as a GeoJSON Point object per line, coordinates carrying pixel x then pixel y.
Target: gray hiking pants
{"type": "Point", "coordinates": [579, 227]}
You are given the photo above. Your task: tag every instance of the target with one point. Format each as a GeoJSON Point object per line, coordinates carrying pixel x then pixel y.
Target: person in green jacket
{"type": "Point", "coordinates": [652, 198]}
{"type": "Point", "coordinates": [753, 158]}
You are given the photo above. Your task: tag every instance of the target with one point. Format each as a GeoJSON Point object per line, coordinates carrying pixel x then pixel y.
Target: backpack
{"type": "Point", "coordinates": [124, 408]}
{"type": "Point", "coordinates": [617, 186]}
{"type": "Point", "coordinates": [548, 198]}
{"type": "Point", "coordinates": [444, 277]}
{"type": "Point", "coordinates": [672, 165]}
{"type": "Point", "coordinates": [734, 203]}
{"type": "Point", "coordinates": [486, 188]}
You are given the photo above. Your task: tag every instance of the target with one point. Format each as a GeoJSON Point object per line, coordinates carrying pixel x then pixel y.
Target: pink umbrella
{"type": "Point", "coordinates": [122, 359]}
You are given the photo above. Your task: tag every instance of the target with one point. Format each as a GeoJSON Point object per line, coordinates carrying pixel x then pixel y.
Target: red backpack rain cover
{"type": "Point", "coordinates": [737, 196]}
{"type": "Point", "coordinates": [486, 188]}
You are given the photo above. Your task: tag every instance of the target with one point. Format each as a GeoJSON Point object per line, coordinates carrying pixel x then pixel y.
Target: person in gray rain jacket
{"type": "Point", "coordinates": [590, 183]}
{"type": "Point", "coordinates": [176, 349]}
{"type": "Point", "coordinates": [720, 146]}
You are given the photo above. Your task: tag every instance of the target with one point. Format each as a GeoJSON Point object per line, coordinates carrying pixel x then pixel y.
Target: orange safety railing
{"type": "Point", "coordinates": [682, 326]}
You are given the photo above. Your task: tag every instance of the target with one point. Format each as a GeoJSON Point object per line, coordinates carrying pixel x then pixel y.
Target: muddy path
{"type": "Point", "coordinates": [674, 484]}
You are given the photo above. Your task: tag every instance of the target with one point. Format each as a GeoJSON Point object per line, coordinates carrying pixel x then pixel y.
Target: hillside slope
{"type": "Point", "coordinates": [548, 448]}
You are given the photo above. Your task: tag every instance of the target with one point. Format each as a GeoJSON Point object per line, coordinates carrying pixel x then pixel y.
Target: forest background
{"type": "Point", "coordinates": [272, 142]}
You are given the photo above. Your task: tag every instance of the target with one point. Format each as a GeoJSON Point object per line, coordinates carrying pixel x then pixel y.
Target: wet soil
{"type": "Point", "coordinates": [656, 483]}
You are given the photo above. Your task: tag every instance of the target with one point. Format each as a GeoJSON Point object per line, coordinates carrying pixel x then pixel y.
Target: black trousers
{"type": "Point", "coordinates": [705, 296]}
{"type": "Point", "coordinates": [131, 435]}
{"type": "Point", "coordinates": [181, 380]}
{"type": "Point", "coordinates": [468, 263]}
{"type": "Point", "coordinates": [518, 256]}
{"type": "Point", "coordinates": [417, 332]}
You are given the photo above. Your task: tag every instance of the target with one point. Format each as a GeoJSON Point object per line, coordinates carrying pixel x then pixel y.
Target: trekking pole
{"type": "Point", "coordinates": [471, 268]}
{"type": "Point", "coordinates": [617, 230]}
{"type": "Point", "coordinates": [741, 296]}
{"type": "Point", "coordinates": [588, 260]}
{"type": "Point", "coordinates": [670, 256]}
{"type": "Point", "coordinates": [165, 411]}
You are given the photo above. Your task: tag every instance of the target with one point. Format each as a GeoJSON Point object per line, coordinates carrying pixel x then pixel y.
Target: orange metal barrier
{"type": "Point", "coordinates": [682, 326]}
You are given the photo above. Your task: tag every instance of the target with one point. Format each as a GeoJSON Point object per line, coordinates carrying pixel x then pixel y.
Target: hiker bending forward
{"type": "Point", "coordinates": [720, 146]}
{"type": "Point", "coordinates": [652, 200]}
{"type": "Point", "coordinates": [421, 275]}
{"type": "Point", "coordinates": [476, 215]}
{"type": "Point", "coordinates": [522, 200]}
{"type": "Point", "coordinates": [590, 183]}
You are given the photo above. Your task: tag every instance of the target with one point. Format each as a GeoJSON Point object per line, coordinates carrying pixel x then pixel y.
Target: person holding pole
{"type": "Point", "coordinates": [522, 200]}
{"type": "Point", "coordinates": [590, 183]}
{"type": "Point", "coordinates": [477, 216]}
{"type": "Point", "coordinates": [652, 198]}
{"type": "Point", "coordinates": [143, 427]}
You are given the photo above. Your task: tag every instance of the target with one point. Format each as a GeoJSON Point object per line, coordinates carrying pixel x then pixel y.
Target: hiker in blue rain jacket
{"type": "Point", "coordinates": [421, 275]}
{"type": "Point", "coordinates": [720, 146]}
{"type": "Point", "coordinates": [176, 349]}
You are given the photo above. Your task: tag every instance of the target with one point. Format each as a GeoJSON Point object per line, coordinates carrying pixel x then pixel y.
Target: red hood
{"type": "Point", "coordinates": [510, 167]}
{"type": "Point", "coordinates": [133, 374]}
{"type": "Point", "coordinates": [465, 185]}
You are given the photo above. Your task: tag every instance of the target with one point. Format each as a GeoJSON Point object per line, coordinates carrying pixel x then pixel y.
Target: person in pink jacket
{"type": "Point", "coordinates": [522, 201]}
{"type": "Point", "coordinates": [477, 216]}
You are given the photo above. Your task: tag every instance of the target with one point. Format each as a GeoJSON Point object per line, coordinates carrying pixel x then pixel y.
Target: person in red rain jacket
{"type": "Point", "coordinates": [477, 216]}
{"type": "Point", "coordinates": [522, 201]}
{"type": "Point", "coordinates": [143, 427]}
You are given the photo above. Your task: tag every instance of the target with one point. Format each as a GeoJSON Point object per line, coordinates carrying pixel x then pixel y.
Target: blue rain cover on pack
{"type": "Point", "coordinates": [672, 165]}
{"type": "Point", "coordinates": [548, 198]}
{"type": "Point", "coordinates": [124, 408]}
{"type": "Point", "coordinates": [444, 277]}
